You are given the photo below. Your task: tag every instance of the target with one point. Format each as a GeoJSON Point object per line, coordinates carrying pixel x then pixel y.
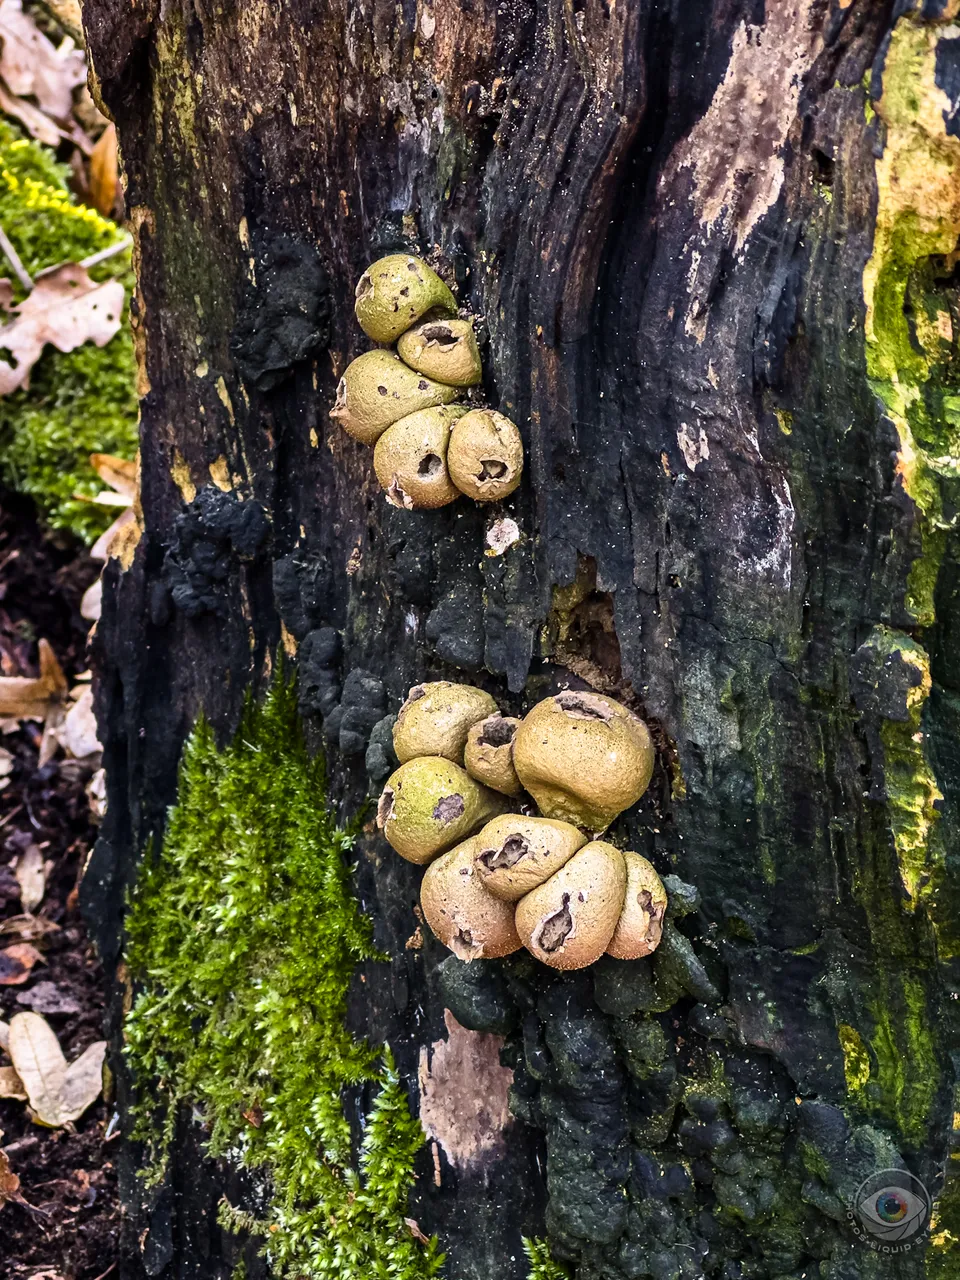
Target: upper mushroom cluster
{"type": "Point", "coordinates": [498, 880]}
{"type": "Point", "coordinates": [427, 449]}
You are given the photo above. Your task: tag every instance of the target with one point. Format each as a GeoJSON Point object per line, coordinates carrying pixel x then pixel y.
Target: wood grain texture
{"type": "Point", "coordinates": [662, 214]}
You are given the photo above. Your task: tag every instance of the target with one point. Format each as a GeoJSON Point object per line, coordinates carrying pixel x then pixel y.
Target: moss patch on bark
{"type": "Point", "coordinates": [244, 934]}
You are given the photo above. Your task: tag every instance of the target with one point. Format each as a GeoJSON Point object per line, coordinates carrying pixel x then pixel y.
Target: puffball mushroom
{"type": "Point", "coordinates": [377, 389]}
{"type": "Point", "coordinates": [431, 804]}
{"type": "Point", "coordinates": [485, 458]}
{"type": "Point", "coordinates": [567, 922]}
{"type": "Point", "coordinates": [584, 758]}
{"type": "Point", "coordinates": [464, 916]}
{"type": "Point", "coordinates": [436, 718]}
{"type": "Point", "coordinates": [640, 926]}
{"type": "Point", "coordinates": [516, 853]}
{"type": "Point", "coordinates": [445, 350]}
{"type": "Point", "coordinates": [410, 459]}
{"type": "Point", "coordinates": [488, 755]}
{"type": "Point", "coordinates": [395, 292]}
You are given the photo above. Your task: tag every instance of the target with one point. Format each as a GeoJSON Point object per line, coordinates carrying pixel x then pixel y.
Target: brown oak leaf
{"type": "Point", "coordinates": [65, 308]}
{"type": "Point", "coordinates": [33, 66]}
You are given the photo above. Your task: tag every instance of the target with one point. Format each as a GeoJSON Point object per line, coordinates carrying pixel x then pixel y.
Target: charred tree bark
{"type": "Point", "coordinates": [713, 247]}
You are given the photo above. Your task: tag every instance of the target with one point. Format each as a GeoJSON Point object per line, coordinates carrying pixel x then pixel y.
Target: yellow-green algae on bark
{"type": "Point", "coordinates": [910, 342]}
{"type": "Point", "coordinates": [918, 218]}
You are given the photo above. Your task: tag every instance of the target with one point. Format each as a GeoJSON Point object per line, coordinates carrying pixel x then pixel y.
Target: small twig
{"type": "Point", "coordinates": [12, 814]}
{"type": "Point", "coordinates": [11, 255]}
{"type": "Point", "coordinates": [104, 1274]}
{"type": "Point", "coordinates": [110, 252]}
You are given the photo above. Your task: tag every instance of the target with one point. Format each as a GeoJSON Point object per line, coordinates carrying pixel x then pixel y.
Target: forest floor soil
{"type": "Point", "coordinates": [67, 1225]}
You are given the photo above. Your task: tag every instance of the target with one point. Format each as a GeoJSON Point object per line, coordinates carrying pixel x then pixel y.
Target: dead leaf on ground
{"type": "Point", "coordinates": [11, 1086]}
{"type": "Point", "coordinates": [67, 13]}
{"type": "Point", "coordinates": [33, 698]}
{"type": "Point", "coordinates": [413, 1226]}
{"type": "Point", "coordinates": [34, 67]}
{"type": "Point", "coordinates": [78, 732]}
{"type": "Point", "coordinates": [119, 473]}
{"type": "Point", "coordinates": [9, 1182]}
{"type": "Point", "coordinates": [65, 308]}
{"type": "Point", "coordinates": [37, 123]}
{"type": "Point", "coordinates": [104, 172]}
{"type": "Point", "coordinates": [92, 601]}
{"type": "Point", "coordinates": [27, 928]}
{"type": "Point", "coordinates": [31, 877]}
{"type": "Point", "coordinates": [16, 963]}
{"type": "Point", "coordinates": [58, 1093]}
{"type": "Point", "coordinates": [47, 998]}
{"type": "Point", "coordinates": [97, 795]}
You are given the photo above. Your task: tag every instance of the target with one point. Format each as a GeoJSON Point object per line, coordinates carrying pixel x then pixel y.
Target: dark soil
{"type": "Point", "coordinates": [70, 1231]}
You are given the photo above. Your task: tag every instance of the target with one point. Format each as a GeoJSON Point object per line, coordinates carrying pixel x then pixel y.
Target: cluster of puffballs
{"type": "Point", "coordinates": [427, 449]}
{"type": "Point", "coordinates": [499, 878]}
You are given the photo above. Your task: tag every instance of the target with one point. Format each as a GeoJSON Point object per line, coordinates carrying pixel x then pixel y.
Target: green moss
{"type": "Point", "coordinates": [244, 933]}
{"type": "Point", "coordinates": [542, 1266]}
{"type": "Point", "coordinates": [77, 403]}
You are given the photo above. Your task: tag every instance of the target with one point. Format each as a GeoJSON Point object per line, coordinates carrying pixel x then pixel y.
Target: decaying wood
{"type": "Point", "coordinates": [663, 215]}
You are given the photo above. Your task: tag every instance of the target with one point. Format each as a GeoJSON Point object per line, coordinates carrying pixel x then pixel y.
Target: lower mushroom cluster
{"type": "Point", "coordinates": [497, 881]}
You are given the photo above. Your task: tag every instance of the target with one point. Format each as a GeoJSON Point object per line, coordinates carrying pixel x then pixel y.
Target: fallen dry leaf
{"type": "Point", "coordinates": [92, 601]}
{"type": "Point", "coordinates": [34, 67]}
{"type": "Point", "coordinates": [27, 928]}
{"type": "Point", "coordinates": [104, 172]}
{"type": "Point", "coordinates": [36, 122]}
{"type": "Point", "coordinates": [78, 732]}
{"type": "Point", "coordinates": [65, 308]}
{"type": "Point", "coordinates": [67, 13]}
{"type": "Point", "coordinates": [16, 963]}
{"type": "Point", "coordinates": [413, 1226]}
{"type": "Point", "coordinates": [9, 1182]}
{"type": "Point", "coordinates": [32, 698]}
{"type": "Point", "coordinates": [47, 998]}
{"type": "Point", "coordinates": [11, 1086]}
{"type": "Point", "coordinates": [119, 473]}
{"type": "Point", "coordinates": [31, 877]}
{"type": "Point", "coordinates": [97, 795]}
{"type": "Point", "coordinates": [58, 1093]}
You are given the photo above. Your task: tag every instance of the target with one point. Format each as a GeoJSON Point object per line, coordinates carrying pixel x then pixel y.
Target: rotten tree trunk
{"type": "Point", "coordinates": [713, 248]}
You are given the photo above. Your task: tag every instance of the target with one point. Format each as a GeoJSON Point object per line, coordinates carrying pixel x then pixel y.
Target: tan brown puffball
{"type": "Point", "coordinates": [488, 755]}
{"type": "Point", "coordinates": [394, 292]}
{"type": "Point", "coordinates": [485, 457]}
{"type": "Point", "coordinates": [640, 926]}
{"type": "Point", "coordinates": [436, 718]}
{"type": "Point", "coordinates": [584, 758]}
{"type": "Point", "coordinates": [445, 350]}
{"type": "Point", "coordinates": [410, 459]}
{"type": "Point", "coordinates": [429, 805]}
{"type": "Point", "coordinates": [516, 853]}
{"type": "Point", "coordinates": [464, 916]}
{"type": "Point", "coordinates": [377, 389]}
{"type": "Point", "coordinates": [567, 922]}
